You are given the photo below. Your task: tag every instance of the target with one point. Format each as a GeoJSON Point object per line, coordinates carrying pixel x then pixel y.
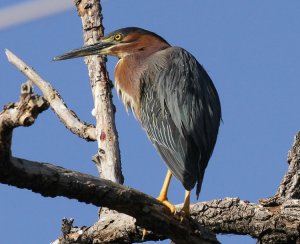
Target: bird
{"type": "Point", "coordinates": [173, 98]}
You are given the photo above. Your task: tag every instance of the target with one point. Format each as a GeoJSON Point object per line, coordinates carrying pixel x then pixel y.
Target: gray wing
{"type": "Point", "coordinates": [181, 113]}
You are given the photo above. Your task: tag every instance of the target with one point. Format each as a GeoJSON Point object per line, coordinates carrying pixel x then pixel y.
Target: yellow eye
{"type": "Point", "coordinates": [118, 37]}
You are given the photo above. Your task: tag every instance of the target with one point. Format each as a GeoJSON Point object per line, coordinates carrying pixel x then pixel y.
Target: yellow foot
{"type": "Point", "coordinates": [169, 205]}
{"type": "Point", "coordinates": [184, 213]}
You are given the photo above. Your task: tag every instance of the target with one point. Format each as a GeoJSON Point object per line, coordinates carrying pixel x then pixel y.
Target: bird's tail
{"type": "Point", "coordinates": [200, 180]}
{"type": "Point", "coordinates": [198, 187]}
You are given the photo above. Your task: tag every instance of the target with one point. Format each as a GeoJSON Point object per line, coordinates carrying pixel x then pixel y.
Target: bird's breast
{"type": "Point", "coordinates": [127, 83]}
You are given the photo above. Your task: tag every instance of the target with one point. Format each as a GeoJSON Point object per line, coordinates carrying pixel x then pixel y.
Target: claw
{"type": "Point", "coordinates": [185, 211]}
{"type": "Point", "coordinates": [169, 205]}
{"type": "Point", "coordinates": [186, 205]}
{"type": "Point", "coordinates": [164, 191]}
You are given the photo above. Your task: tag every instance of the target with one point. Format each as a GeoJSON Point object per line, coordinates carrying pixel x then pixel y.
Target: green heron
{"type": "Point", "coordinates": [172, 97]}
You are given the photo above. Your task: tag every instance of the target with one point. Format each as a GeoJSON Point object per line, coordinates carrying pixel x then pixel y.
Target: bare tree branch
{"type": "Point", "coordinates": [226, 216]}
{"type": "Point", "coordinates": [267, 224]}
{"type": "Point", "coordinates": [108, 159]}
{"type": "Point", "coordinates": [51, 181]}
{"type": "Point", "coordinates": [67, 116]}
{"type": "Point", "coordinates": [22, 113]}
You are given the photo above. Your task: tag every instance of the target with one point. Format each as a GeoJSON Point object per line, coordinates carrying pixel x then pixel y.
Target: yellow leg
{"type": "Point", "coordinates": [186, 204]}
{"type": "Point", "coordinates": [163, 196]}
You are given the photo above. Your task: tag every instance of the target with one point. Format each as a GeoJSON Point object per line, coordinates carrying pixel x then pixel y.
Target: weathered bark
{"type": "Point", "coordinates": [226, 216]}
{"type": "Point", "coordinates": [268, 224]}
{"type": "Point", "coordinates": [51, 181]}
{"type": "Point", "coordinates": [22, 113]}
{"type": "Point", "coordinates": [108, 160]}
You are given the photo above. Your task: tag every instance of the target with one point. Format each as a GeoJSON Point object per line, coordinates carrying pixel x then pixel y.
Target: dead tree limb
{"type": "Point", "coordinates": [51, 181]}
{"type": "Point", "coordinates": [107, 159]}
{"type": "Point", "coordinates": [22, 113]}
{"type": "Point", "coordinates": [225, 216]}
{"type": "Point", "coordinates": [66, 116]}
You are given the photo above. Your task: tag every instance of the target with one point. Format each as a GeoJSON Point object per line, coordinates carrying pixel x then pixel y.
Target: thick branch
{"type": "Point", "coordinates": [229, 215]}
{"type": "Point", "coordinates": [268, 222]}
{"type": "Point", "coordinates": [67, 116]}
{"type": "Point", "coordinates": [50, 180]}
{"type": "Point", "coordinates": [108, 158]}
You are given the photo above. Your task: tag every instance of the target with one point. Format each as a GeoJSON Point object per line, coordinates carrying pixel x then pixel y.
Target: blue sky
{"type": "Point", "coordinates": [249, 48]}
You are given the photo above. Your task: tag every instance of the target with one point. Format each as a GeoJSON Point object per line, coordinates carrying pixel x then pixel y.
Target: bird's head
{"type": "Point", "coordinates": [121, 43]}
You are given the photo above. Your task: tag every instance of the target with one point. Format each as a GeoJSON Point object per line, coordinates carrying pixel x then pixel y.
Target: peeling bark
{"type": "Point", "coordinates": [226, 216]}
{"type": "Point", "coordinates": [107, 159]}
{"type": "Point", "coordinates": [51, 181]}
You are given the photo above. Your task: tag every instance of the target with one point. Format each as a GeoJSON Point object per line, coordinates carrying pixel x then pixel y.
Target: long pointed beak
{"type": "Point", "coordinates": [95, 49]}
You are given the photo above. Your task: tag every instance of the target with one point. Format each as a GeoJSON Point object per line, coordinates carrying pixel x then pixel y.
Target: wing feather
{"type": "Point", "coordinates": [181, 113]}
